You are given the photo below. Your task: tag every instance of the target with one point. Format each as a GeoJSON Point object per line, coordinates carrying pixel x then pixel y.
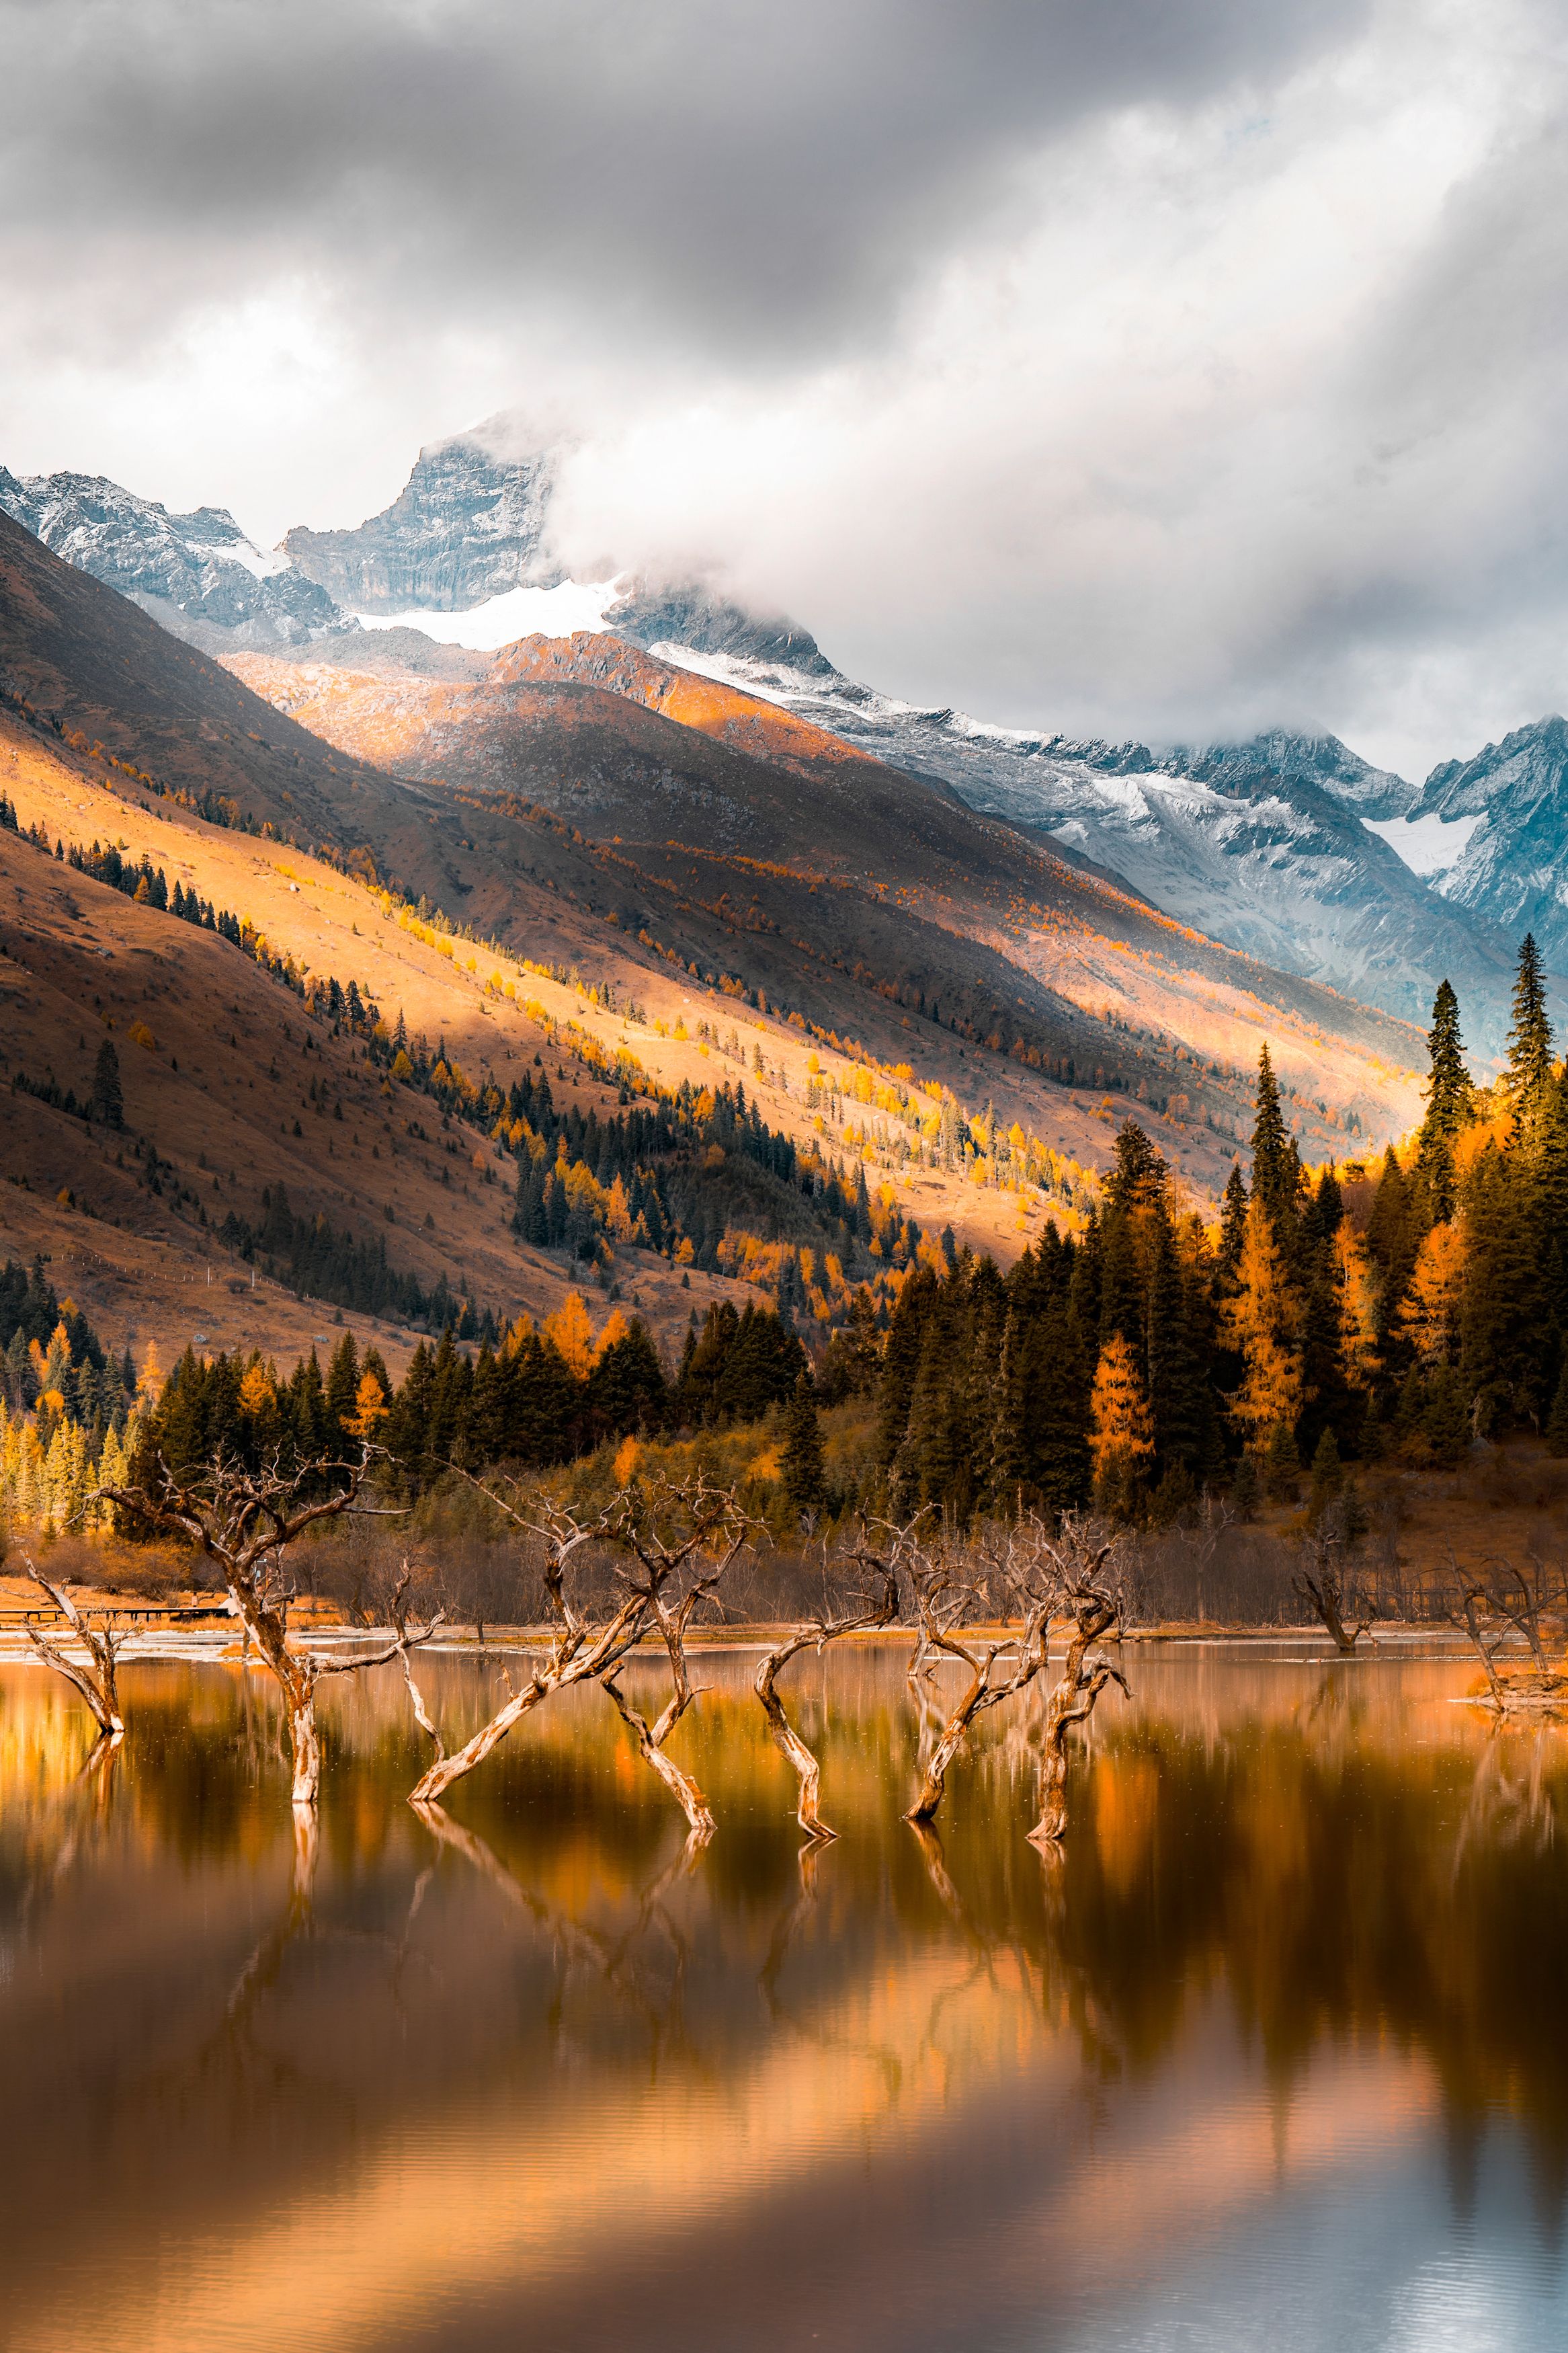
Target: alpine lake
{"type": "Point", "coordinates": [1276, 2055]}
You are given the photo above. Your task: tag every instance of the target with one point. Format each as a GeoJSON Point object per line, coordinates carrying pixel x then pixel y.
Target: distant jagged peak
{"type": "Point", "coordinates": [1296, 758]}
{"type": "Point", "coordinates": [198, 571]}
{"type": "Point", "coordinates": [1529, 761]}
{"type": "Point", "coordinates": [470, 523]}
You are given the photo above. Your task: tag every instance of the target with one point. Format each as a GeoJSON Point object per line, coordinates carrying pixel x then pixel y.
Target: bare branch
{"type": "Point", "coordinates": [1092, 1582]}
{"type": "Point", "coordinates": [245, 1521]}
{"type": "Point", "coordinates": [95, 1682]}
{"type": "Point", "coordinates": [1022, 1576]}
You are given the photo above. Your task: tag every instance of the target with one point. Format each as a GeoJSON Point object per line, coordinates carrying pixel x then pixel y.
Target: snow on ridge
{"type": "Point", "coordinates": [1428, 845]}
{"type": "Point", "coordinates": [558, 612]}
{"type": "Point", "coordinates": [256, 561]}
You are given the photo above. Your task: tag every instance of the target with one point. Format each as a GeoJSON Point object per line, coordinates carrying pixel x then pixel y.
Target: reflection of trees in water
{"type": "Point", "coordinates": [1336, 1888]}
{"type": "Point", "coordinates": [622, 1961]}
{"type": "Point", "coordinates": [1336, 1854]}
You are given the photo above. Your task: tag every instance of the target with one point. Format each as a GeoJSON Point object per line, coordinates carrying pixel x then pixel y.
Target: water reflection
{"type": "Point", "coordinates": [1273, 2050]}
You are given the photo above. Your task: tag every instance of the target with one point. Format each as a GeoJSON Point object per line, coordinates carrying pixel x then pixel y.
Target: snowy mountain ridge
{"type": "Point", "coordinates": [199, 567]}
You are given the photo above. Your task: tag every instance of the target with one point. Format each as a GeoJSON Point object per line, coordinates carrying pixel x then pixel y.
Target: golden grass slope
{"type": "Point", "coordinates": [224, 1081]}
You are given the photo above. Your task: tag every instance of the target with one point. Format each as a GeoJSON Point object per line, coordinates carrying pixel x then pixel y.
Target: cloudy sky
{"type": "Point", "coordinates": [1163, 367]}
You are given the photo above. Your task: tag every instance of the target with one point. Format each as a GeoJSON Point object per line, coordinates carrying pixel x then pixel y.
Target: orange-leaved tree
{"type": "Point", "coordinates": [1355, 1286]}
{"type": "Point", "coordinates": [1428, 1316]}
{"type": "Point", "coordinates": [1262, 1323]}
{"type": "Point", "coordinates": [1121, 1428]}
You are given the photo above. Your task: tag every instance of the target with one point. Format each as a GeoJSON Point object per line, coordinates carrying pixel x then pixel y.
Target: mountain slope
{"type": "Point", "coordinates": [843, 887]}
{"type": "Point", "coordinates": [977, 954]}
{"type": "Point", "coordinates": [1262, 846]}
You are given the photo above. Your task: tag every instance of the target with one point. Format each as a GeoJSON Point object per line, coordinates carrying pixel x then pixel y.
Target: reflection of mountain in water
{"type": "Point", "coordinates": [1303, 1917]}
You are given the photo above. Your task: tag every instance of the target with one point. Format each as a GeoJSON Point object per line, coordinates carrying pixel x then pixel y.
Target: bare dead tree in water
{"type": "Point", "coordinates": [1521, 1595]}
{"type": "Point", "coordinates": [1490, 1610]}
{"type": "Point", "coordinates": [1019, 1581]}
{"type": "Point", "coordinates": [1322, 1586]}
{"type": "Point", "coordinates": [245, 1521]}
{"type": "Point", "coordinates": [878, 1607]}
{"type": "Point", "coordinates": [681, 1538]}
{"type": "Point", "coordinates": [1486, 1630]}
{"type": "Point", "coordinates": [1087, 1570]}
{"type": "Point", "coordinates": [95, 1679]}
{"type": "Point", "coordinates": [580, 1647]}
{"type": "Point", "coordinates": [674, 1571]}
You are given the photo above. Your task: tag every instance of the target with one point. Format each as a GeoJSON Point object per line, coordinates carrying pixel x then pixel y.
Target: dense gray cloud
{"type": "Point", "coordinates": [1143, 368]}
{"type": "Point", "coordinates": [766, 179]}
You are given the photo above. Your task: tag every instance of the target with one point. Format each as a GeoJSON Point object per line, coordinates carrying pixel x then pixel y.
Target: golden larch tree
{"type": "Point", "coordinates": [1262, 1323]}
{"type": "Point", "coordinates": [1121, 1428]}
{"type": "Point", "coordinates": [1355, 1283]}
{"type": "Point", "coordinates": [1428, 1314]}
{"type": "Point", "coordinates": [572, 1332]}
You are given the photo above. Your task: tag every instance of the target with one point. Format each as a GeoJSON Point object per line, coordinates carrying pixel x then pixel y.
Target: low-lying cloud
{"type": "Point", "coordinates": [1142, 369]}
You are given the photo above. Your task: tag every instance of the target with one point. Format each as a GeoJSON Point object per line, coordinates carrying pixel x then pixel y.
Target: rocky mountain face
{"type": "Point", "coordinates": [700, 622]}
{"type": "Point", "coordinates": [1514, 869]}
{"type": "Point", "coordinates": [466, 525]}
{"type": "Point", "coordinates": [199, 568]}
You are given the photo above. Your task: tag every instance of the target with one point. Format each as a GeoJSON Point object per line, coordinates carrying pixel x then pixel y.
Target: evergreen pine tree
{"type": "Point", "coordinates": [803, 1483]}
{"type": "Point", "coordinates": [1331, 1205]}
{"type": "Point", "coordinates": [108, 1103]}
{"type": "Point", "coordinates": [343, 1390]}
{"type": "Point", "coordinates": [1275, 1164]}
{"type": "Point", "coordinates": [1009, 1447]}
{"type": "Point", "coordinates": [1449, 1100]}
{"type": "Point", "coordinates": [1232, 1220]}
{"type": "Point", "coordinates": [1281, 1463]}
{"type": "Point", "coordinates": [1057, 1369]}
{"type": "Point", "coordinates": [1502, 1314]}
{"type": "Point", "coordinates": [1394, 1235]}
{"type": "Point", "coordinates": [1450, 1092]}
{"type": "Point", "coordinates": [862, 1206]}
{"type": "Point", "coordinates": [1529, 1079]}
{"type": "Point", "coordinates": [1326, 1476]}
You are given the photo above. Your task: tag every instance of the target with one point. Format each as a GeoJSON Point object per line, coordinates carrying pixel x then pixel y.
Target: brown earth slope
{"type": "Point", "coordinates": [238, 1089]}
{"type": "Point", "coordinates": [835, 878]}
{"type": "Point", "coordinates": [565, 817]}
{"type": "Point", "coordinates": [335, 924]}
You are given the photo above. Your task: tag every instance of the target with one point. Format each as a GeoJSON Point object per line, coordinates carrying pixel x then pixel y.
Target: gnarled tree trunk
{"type": "Point", "coordinates": [949, 1740]}
{"type": "Point", "coordinates": [816, 1635]}
{"type": "Point", "coordinates": [440, 1777]}
{"type": "Point", "coordinates": [1325, 1594]}
{"type": "Point", "coordinates": [1072, 1700]}
{"type": "Point", "coordinates": [807, 1771]}
{"type": "Point", "coordinates": [650, 1739]}
{"type": "Point", "coordinates": [96, 1681]}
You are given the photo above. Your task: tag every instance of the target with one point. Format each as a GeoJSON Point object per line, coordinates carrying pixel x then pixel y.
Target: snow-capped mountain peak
{"type": "Point", "coordinates": [200, 566]}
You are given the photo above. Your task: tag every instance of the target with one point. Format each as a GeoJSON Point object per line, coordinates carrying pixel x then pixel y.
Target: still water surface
{"type": "Point", "coordinates": [1278, 2058]}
